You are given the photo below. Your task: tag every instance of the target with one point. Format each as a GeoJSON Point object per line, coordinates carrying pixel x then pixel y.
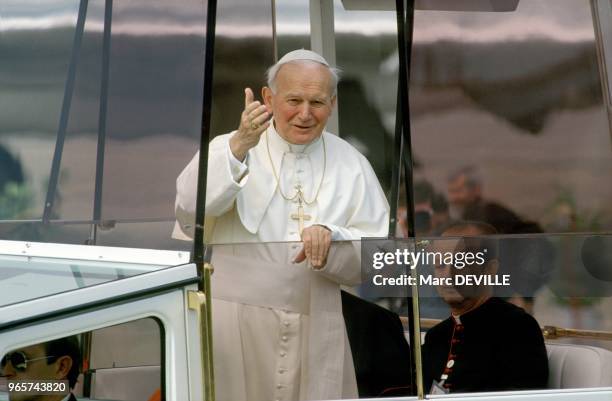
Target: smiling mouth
{"type": "Point", "coordinates": [302, 127]}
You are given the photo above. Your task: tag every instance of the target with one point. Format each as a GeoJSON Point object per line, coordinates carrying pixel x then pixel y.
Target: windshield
{"type": "Point", "coordinates": [29, 270]}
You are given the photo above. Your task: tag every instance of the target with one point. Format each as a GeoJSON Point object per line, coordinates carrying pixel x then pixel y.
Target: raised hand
{"type": "Point", "coordinates": [255, 119]}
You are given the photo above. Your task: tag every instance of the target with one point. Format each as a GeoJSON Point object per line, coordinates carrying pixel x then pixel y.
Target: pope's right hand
{"type": "Point", "coordinates": [254, 121]}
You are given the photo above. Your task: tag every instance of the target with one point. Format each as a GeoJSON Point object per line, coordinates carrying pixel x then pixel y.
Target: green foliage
{"type": "Point", "coordinates": [15, 200]}
{"type": "Point", "coordinates": [565, 209]}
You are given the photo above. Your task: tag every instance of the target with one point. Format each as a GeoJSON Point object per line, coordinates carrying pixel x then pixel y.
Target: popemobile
{"type": "Point", "coordinates": [487, 123]}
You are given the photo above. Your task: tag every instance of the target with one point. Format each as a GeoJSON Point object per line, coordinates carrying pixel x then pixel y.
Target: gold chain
{"type": "Point", "coordinates": [299, 192]}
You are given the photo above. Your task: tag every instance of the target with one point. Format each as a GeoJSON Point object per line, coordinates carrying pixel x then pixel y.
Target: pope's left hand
{"type": "Point", "coordinates": [317, 240]}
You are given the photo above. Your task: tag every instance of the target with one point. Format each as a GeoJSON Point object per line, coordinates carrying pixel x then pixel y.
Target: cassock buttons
{"type": "Point", "coordinates": [281, 371]}
{"type": "Point", "coordinates": [283, 354]}
{"type": "Point", "coordinates": [279, 386]}
{"type": "Point", "coordinates": [450, 363]}
{"type": "Point", "coordinates": [286, 324]}
{"type": "Point", "coordinates": [285, 338]}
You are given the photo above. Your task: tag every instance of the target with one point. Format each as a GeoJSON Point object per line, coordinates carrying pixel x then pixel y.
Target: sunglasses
{"type": "Point", "coordinates": [19, 360]}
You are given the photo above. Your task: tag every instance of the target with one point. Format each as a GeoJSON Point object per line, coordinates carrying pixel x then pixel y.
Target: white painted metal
{"type": "Point", "coordinates": [96, 293]}
{"type": "Point", "coordinates": [169, 308]}
{"type": "Point", "coordinates": [94, 253]}
{"type": "Point", "coordinates": [323, 41]}
{"type": "Point", "coordinates": [590, 394]}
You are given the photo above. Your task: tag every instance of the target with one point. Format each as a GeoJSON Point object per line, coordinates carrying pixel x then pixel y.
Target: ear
{"type": "Point", "coordinates": [267, 95]}
{"type": "Point", "coordinates": [63, 366]}
{"type": "Point", "coordinates": [333, 101]}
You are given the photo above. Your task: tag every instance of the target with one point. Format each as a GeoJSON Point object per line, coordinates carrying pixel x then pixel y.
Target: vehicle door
{"type": "Point", "coordinates": [136, 336]}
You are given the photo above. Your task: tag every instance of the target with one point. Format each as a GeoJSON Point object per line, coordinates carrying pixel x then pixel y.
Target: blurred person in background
{"type": "Point", "coordinates": [466, 201]}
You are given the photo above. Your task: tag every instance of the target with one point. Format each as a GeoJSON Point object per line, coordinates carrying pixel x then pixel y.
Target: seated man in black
{"type": "Point", "coordinates": [486, 344]}
{"type": "Point", "coordinates": [54, 360]}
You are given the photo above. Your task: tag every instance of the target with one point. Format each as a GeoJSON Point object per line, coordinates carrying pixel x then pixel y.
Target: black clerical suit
{"type": "Point", "coordinates": [496, 347]}
{"type": "Point", "coordinates": [380, 352]}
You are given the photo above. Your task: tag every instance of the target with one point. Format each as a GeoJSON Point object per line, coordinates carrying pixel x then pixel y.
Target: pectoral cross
{"type": "Point", "coordinates": [300, 216]}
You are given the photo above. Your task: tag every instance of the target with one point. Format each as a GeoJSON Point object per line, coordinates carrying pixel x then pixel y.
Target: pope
{"type": "Point", "coordinates": [277, 314]}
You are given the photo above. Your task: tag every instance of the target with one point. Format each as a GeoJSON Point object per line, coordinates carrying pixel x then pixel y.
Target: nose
{"type": "Point", "coordinates": [8, 370]}
{"type": "Point", "coordinates": [304, 112]}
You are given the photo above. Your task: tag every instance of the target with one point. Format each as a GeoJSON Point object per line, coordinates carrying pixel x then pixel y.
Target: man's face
{"type": "Point", "coordinates": [302, 103]}
{"type": "Point", "coordinates": [457, 296]}
{"type": "Point", "coordinates": [449, 293]}
{"type": "Point", "coordinates": [460, 194]}
{"type": "Point", "coordinates": [35, 369]}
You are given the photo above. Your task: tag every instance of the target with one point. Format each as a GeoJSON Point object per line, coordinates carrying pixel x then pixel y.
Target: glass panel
{"type": "Point", "coordinates": [506, 294]}
{"type": "Point", "coordinates": [154, 104]}
{"type": "Point", "coordinates": [35, 43]}
{"type": "Point", "coordinates": [244, 202]}
{"type": "Point", "coordinates": [268, 315]}
{"type": "Point", "coordinates": [139, 346]}
{"type": "Point", "coordinates": [39, 232]}
{"type": "Point", "coordinates": [292, 19]}
{"type": "Point", "coordinates": [243, 50]}
{"type": "Point", "coordinates": [120, 363]}
{"type": "Point", "coordinates": [28, 272]}
{"type": "Point", "coordinates": [507, 116]}
{"type": "Point", "coordinates": [77, 171]}
{"type": "Point", "coordinates": [152, 235]}
{"type": "Point", "coordinates": [366, 51]}
{"type": "Point", "coordinates": [152, 89]}
{"type": "Point", "coordinates": [156, 235]}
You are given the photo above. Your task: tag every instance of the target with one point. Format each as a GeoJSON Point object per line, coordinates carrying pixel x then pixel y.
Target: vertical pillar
{"type": "Point", "coordinates": [323, 41]}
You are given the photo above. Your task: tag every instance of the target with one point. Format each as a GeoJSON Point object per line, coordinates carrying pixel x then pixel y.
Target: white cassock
{"type": "Point", "coordinates": [278, 330]}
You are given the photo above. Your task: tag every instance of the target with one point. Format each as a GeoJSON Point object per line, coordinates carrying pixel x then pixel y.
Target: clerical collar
{"type": "Point", "coordinates": [279, 144]}
{"type": "Point", "coordinates": [477, 313]}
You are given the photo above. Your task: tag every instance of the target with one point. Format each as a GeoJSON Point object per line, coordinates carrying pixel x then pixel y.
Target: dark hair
{"type": "Point", "coordinates": [10, 169]}
{"type": "Point", "coordinates": [476, 244]}
{"type": "Point", "coordinates": [67, 346]}
{"type": "Point", "coordinates": [439, 203]}
{"type": "Point", "coordinates": [423, 191]}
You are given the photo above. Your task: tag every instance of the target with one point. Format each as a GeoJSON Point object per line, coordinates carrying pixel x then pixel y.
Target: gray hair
{"type": "Point", "coordinates": [273, 72]}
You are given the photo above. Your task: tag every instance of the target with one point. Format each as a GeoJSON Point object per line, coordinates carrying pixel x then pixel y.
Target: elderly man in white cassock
{"type": "Point", "coordinates": [277, 315]}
